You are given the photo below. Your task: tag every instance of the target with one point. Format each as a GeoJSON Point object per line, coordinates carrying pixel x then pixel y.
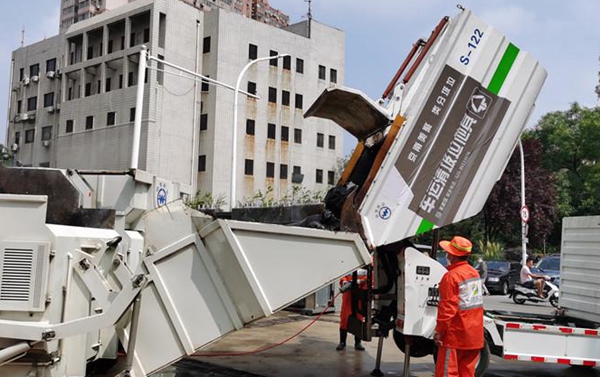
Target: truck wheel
{"type": "Point", "coordinates": [517, 299]}
{"type": "Point", "coordinates": [484, 360]}
{"type": "Point", "coordinates": [482, 364]}
{"type": "Point", "coordinates": [420, 347]}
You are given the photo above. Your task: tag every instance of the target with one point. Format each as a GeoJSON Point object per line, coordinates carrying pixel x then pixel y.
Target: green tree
{"type": "Point", "coordinates": [501, 218]}
{"type": "Point", "coordinates": [5, 156]}
{"type": "Point", "coordinates": [571, 148]}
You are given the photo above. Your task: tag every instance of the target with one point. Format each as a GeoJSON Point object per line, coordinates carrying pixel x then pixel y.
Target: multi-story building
{"type": "Point", "coordinates": [82, 115]}
{"type": "Point", "coordinates": [73, 11]}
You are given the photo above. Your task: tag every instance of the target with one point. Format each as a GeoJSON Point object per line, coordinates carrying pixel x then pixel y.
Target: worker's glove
{"type": "Point", "coordinates": [344, 287]}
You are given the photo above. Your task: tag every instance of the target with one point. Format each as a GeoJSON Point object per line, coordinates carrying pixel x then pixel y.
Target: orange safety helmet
{"type": "Point", "coordinates": [459, 246]}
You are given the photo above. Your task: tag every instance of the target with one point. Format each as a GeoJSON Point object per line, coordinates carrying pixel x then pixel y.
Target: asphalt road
{"type": "Point", "coordinates": [313, 354]}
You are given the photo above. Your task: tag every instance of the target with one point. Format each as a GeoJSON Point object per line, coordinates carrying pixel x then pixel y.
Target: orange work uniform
{"type": "Point", "coordinates": [459, 321]}
{"type": "Point", "coordinates": [346, 310]}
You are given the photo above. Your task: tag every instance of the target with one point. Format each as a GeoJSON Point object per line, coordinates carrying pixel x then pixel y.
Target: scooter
{"type": "Point", "coordinates": [520, 294]}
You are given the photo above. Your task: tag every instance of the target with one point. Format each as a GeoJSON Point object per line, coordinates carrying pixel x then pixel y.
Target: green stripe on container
{"type": "Point", "coordinates": [506, 63]}
{"type": "Point", "coordinates": [425, 226]}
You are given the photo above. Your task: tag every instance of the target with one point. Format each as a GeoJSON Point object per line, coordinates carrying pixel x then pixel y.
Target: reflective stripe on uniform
{"type": "Point", "coordinates": [470, 294]}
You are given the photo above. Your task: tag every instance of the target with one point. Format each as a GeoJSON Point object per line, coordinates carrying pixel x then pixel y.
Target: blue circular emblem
{"type": "Point", "coordinates": [161, 197]}
{"type": "Point", "coordinates": [385, 213]}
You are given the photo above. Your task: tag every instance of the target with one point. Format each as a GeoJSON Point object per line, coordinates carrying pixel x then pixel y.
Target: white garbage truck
{"type": "Point", "coordinates": [95, 263]}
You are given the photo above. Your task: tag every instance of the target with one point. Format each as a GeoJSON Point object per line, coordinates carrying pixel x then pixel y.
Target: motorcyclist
{"type": "Point", "coordinates": [531, 280]}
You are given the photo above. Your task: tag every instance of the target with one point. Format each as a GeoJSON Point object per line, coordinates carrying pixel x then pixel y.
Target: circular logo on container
{"type": "Point", "coordinates": [385, 213]}
{"type": "Point", "coordinates": [161, 196]}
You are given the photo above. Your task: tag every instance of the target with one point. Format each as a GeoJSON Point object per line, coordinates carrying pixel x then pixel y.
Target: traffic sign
{"type": "Point", "coordinates": [524, 214]}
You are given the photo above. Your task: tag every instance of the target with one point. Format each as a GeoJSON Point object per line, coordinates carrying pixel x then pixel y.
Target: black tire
{"type": "Point", "coordinates": [554, 300]}
{"type": "Point", "coordinates": [504, 288]}
{"type": "Point", "coordinates": [484, 361]}
{"type": "Point", "coordinates": [518, 300]}
{"type": "Point", "coordinates": [482, 364]}
{"type": "Point", "coordinates": [420, 347]}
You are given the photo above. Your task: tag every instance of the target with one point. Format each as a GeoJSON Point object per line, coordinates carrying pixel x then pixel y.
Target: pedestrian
{"type": "Point", "coordinates": [346, 312]}
{"type": "Point", "coordinates": [459, 330]}
{"type": "Point", "coordinates": [483, 272]}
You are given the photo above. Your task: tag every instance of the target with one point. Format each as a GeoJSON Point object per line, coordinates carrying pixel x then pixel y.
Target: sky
{"type": "Point", "coordinates": [563, 35]}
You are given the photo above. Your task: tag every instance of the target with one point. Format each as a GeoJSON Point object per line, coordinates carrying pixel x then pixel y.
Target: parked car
{"type": "Point", "coordinates": [502, 276]}
{"type": "Point", "coordinates": [549, 265]}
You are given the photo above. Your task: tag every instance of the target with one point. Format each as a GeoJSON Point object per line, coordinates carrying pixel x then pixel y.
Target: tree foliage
{"type": "Point", "coordinates": [501, 216]}
{"type": "Point", "coordinates": [571, 142]}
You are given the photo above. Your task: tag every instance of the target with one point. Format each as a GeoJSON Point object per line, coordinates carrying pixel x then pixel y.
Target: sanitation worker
{"type": "Point", "coordinates": [346, 311]}
{"type": "Point", "coordinates": [459, 330]}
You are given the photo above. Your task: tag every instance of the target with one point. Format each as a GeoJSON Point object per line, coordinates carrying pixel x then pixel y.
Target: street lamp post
{"type": "Point", "coordinates": [235, 119]}
{"type": "Point", "coordinates": [523, 220]}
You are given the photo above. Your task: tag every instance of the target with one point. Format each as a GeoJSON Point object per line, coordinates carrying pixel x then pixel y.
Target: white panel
{"type": "Point", "coordinates": [551, 344]}
{"type": "Point", "coordinates": [580, 267]}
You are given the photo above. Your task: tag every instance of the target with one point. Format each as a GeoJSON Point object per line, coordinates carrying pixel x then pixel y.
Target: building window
{"type": "Point", "coordinates": [270, 170]}
{"type": "Point", "coordinates": [204, 87]}
{"type": "Point", "coordinates": [110, 47]}
{"type": "Point", "coordinates": [111, 118]}
{"type": "Point", "coordinates": [333, 75]}
{"type": "Point", "coordinates": [88, 89]}
{"type": "Point", "coordinates": [160, 71]}
{"type": "Point", "coordinates": [17, 137]}
{"type": "Point", "coordinates": [146, 35]}
{"type": "Point", "coordinates": [273, 62]}
{"type": "Point", "coordinates": [132, 39]}
{"type": "Point", "coordinates": [283, 171]}
{"type": "Point", "coordinates": [202, 163]}
{"type": "Point", "coordinates": [297, 136]}
{"type": "Point", "coordinates": [90, 52]}
{"type": "Point", "coordinates": [108, 85]}
{"type": "Point", "coordinates": [272, 95]}
{"type": "Point", "coordinates": [252, 51]}
{"type": "Point", "coordinates": [299, 65]}
{"type": "Point", "coordinates": [21, 74]}
{"type": "Point", "coordinates": [49, 99]}
{"type": "Point", "coordinates": [298, 101]}
{"type": "Point", "coordinates": [51, 65]}
{"type": "Point", "coordinates": [285, 98]}
{"type": "Point", "coordinates": [297, 176]}
{"type": "Point", "coordinates": [34, 70]}
{"type": "Point", "coordinates": [319, 176]}
{"type": "Point", "coordinates": [249, 126]}
{"type": "Point", "coordinates": [271, 131]}
{"type": "Point", "coordinates": [47, 133]}
{"type": "Point", "coordinates": [203, 122]}
{"type": "Point", "coordinates": [285, 133]}
{"type": "Point", "coordinates": [162, 29]}
{"type": "Point", "coordinates": [287, 62]}
{"type": "Point", "coordinates": [132, 114]}
{"type": "Point", "coordinates": [330, 177]}
{"type": "Point", "coordinates": [320, 140]}
{"type": "Point", "coordinates": [130, 79]}
{"type": "Point", "coordinates": [331, 142]}
{"type": "Point", "coordinates": [29, 136]}
{"type": "Point", "coordinates": [206, 45]}
{"type": "Point", "coordinates": [89, 122]}
{"type": "Point", "coordinates": [31, 103]}
{"type": "Point", "coordinates": [322, 72]}
{"type": "Point", "coordinates": [249, 167]}
{"type": "Point", "coordinates": [19, 106]}
{"type": "Point", "coordinates": [120, 81]}
{"type": "Point", "coordinates": [251, 87]}
{"type": "Point", "coordinates": [69, 127]}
